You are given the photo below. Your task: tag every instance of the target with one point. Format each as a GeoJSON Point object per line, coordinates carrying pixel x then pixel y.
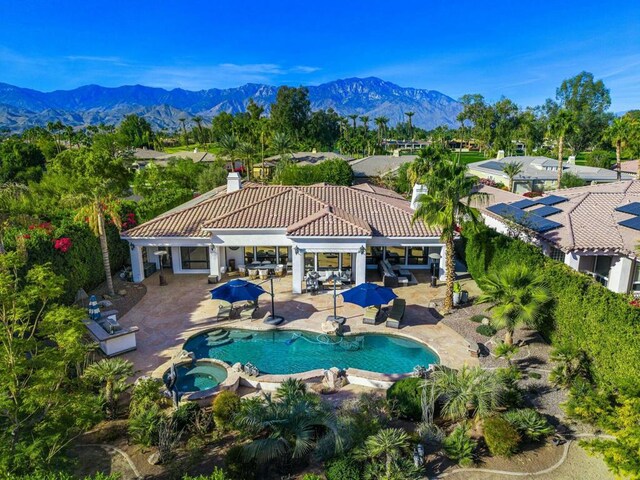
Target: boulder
{"type": "Point", "coordinates": [433, 305]}
{"type": "Point", "coordinates": [122, 292]}
{"type": "Point", "coordinates": [154, 459]}
{"type": "Point", "coordinates": [236, 367]}
{"type": "Point", "coordinates": [485, 321]}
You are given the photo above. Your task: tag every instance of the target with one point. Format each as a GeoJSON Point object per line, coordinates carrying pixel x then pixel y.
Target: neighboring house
{"type": "Point", "coordinates": [378, 166]}
{"type": "Point", "coordinates": [311, 227]}
{"type": "Point", "coordinates": [265, 169]}
{"type": "Point", "coordinates": [539, 173]}
{"type": "Point", "coordinates": [594, 229]}
{"type": "Point", "coordinates": [144, 156]}
{"type": "Point", "coordinates": [629, 166]}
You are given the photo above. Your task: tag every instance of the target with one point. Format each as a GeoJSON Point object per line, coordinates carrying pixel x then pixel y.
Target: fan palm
{"type": "Point", "coordinates": [512, 170]}
{"type": "Point", "coordinates": [282, 143]}
{"type": "Point", "coordinates": [353, 119]}
{"type": "Point", "coordinates": [291, 390]}
{"type": "Point", "coordinates": [390, 443]}
{"type": "Point", "coordinates": [519, 296]}
{"type": "Point", "coordinates": [381, 123]}
{"type": "Point", "coordinates": [468, 391]}
{"type": "Point", "coordinates": [621, 131]}
{"type": "Point", "coordinates": [447, 202]}
{"type": "Point", "coordinates": [290, 430]}
{"type": "Point", "coordinates": [409, 117]}
{"type": "Point", "coordinates": [111, 373]}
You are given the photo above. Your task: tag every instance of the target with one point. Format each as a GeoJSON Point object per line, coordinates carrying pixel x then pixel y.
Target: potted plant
{"type": "Point", "coordinates": [464, 296]}
{"type": "Point", "coordinates": [457, 293]}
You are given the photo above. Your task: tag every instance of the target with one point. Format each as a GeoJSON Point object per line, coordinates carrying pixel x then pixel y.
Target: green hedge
{"type": "Point", "coordinates": [81, 265]}
{"type": "Point", "coordinates": [584, 314]}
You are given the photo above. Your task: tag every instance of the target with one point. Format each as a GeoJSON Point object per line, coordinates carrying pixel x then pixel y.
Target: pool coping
{"type": "Point", "coordinates": [270, 382]}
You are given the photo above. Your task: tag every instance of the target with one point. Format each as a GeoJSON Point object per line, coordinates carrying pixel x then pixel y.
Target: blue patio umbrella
{"type": "Point", "coordinates": [94, 309]}
{"type": "Point", "coordinates": [368, 294]}
{"type": "Point", "coordinates": [237, 290]}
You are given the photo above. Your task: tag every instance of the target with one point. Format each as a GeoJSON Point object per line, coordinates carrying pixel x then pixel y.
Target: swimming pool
{"type": "Point", "coordinates": [198, 376]}
{"type": "Point", "coordinates": [282, 352]}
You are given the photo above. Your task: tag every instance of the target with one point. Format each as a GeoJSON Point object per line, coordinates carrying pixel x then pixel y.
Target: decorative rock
{"type": "Point", "coordinates": [154, 459]}
{"type": "Point", "coordinates": [236, 367]}
{"type": "Point", "coordinates": [106, 296]}
{"type": "Point", "coordinates": [433, 305]}
{"type": "Point", "coordinates": [105, 303]}
{"type": "Point", "coordinates": [485, 321]}
{"type": "Point", "coordinates": [122, 292]}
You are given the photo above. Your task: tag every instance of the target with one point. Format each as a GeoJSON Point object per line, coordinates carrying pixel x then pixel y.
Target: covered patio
{"type": "Point", "coordinates": [168, 315]}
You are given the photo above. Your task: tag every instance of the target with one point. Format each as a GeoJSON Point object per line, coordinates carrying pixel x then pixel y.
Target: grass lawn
{"type": "Point", "coordinates": [469, 157]}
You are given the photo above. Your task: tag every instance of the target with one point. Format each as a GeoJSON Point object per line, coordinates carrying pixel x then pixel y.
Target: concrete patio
{"type": "Point", "coordinates": [166, 316]}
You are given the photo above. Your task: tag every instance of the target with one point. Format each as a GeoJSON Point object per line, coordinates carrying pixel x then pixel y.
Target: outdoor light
{"type": "Point", "coordinates": [296, 250]}
{"type": "Point", "coordinates": [212, 249]}
{"type": "Point", "coordinates": [160, 254]}
{"type": "Point", "coordinates": [362, 250]}
{"type": "Point", "coordinates": [132, 247]}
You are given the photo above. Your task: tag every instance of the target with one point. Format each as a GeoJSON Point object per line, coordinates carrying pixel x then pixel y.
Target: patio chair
{"type": "Point", "coordinates": [224, 311]}
{"type": "Point", "coordinates": [247, 311]}
{"type": "Point", "coordinates": [263, 273]}
{"type": "Point", "coordinates": [370, 315]}
{"type": "Point", "coordinates": [242, 270]}
{"type": "Point", "coordinates": [396, 314]}
{"type": "Point", "coordinates": [253, 273]}
{"type": "Point", "coordinates": [279, 270]}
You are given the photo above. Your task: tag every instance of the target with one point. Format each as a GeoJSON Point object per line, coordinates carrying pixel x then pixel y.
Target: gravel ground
{"type": "Point", "coordinates": [133, 292]}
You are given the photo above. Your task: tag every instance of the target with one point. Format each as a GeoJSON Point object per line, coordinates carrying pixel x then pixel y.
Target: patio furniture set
{"type": "Point", "coordinates": [327, 279]}
{"type": "Point", "coordinates": [394, 316]}
{"type": "Point", "coordinates": [263, 270]}
{"type": "Point", "coordinates": [243, 311]}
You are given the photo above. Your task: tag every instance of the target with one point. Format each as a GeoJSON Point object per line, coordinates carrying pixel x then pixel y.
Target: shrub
{"type": "Point", "coordinates": [344, 468]}
{"type": "Point", "coordinates": [478, 318]}
{"type": "Point", "coordinates": [225, 406]}
{"type": "Point", "coordinates": [529, 423]}
{"type": "Point", "coordinates": [311, 476]}
{"type": "Point", "coordinates": [217, 474]}
{"type": "Point", "coordinates": [185, 415]}
{"type": "Point", "coordinates": [505, 350]}
{"type": "Point", "coordinates": [146, 393]}
{"type": "Point", "coordinates": [534, 375]}
{"type": "Point", "coordinates": [237, 466]}
{"type": "Point", "coordinates": [407, 393]}
{"type": "Point", "coordinates": [486, 330]}
{"type": "Point", "coordinates": [501, 437]}
{"type": "Point", "coordinates": [143, 428]}
{"type": "Point", "coordinates": [459, 447]}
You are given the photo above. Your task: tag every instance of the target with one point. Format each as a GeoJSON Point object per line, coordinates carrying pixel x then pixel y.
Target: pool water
{"type": "Point", "coordinates": [199, 377]}
{"type": "Point", "coordinates": [286, 352]}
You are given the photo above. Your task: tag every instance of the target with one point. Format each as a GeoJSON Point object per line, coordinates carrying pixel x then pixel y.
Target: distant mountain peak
{"type": "Point", "coordinates": [91, 104]}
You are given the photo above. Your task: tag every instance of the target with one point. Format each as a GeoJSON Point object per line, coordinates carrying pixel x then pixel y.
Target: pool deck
{"type": "Point", "coordinates": [167, 316]}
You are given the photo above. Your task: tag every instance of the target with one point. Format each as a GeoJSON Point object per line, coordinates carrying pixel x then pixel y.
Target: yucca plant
{"type": "Point", "coordinates": [111, 373]}
{"type": "Point", "coordinates": [529, 423]}
{"type": "Point", "coordinates": [388, 443]}
{"type": "Point", "coordinates": [571, 364]}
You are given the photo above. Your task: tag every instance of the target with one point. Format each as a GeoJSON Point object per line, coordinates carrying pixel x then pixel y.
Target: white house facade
{"type": "Point", "coordinates": [302, 228]}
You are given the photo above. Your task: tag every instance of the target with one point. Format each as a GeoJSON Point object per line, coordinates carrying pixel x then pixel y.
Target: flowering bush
{"type": "Point", "coordinates": [46, 227]}
{"type": "Point", "coordinates": [635, 302]}
{"type": "Point", "coordinates": [487, 181]}
{"type": "Point", "coordinates": [129, 221]}
{"type": "Point", "coordinates": [532, 194]}
{"type": "Point", "coordinates": [62, 244]}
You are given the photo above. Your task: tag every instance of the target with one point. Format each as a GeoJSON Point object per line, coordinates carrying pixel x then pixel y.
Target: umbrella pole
{"type": "Point", "coordinates": [273, 318]}
{"type": "Point", "coordinates": [335, 317]}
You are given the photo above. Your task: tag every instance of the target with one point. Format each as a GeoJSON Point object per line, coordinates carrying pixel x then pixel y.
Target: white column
{"type": "Point", "coordinates": [176, 260]}
{"type": "Point", "coordinates": [214, 260]}
{"type": "Point", "coordinates": [297, 261]}
{"type": "Point", "coordinates": [573, 260]}
{"type": "Point", "coordinates": [361, 267]}
{"type": "Point", "coordinates": [443, 263]}
{"type": "Point", "coordinates": [620, 274]}
{"type": "Point", "coordinates": [137, 266]}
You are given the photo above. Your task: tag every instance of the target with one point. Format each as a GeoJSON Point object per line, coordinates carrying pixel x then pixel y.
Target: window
{"type": "Point", "coordinates": [395, 255]}
{"type": "Point", "coordinates": [327, 261]}
{"type": "Point", "coordinates": [556, 254]}
{"type": "Point", "coordinates": [195, 258]}
{"type": "Point", "coordinates": [635, 286]}
{"type": "Point", "coordinates": [309, 262]}
{"type": "Point", "coordinates": [346, 261]}
{"type": "Point", "coordinates": [267, 254]}
{"type": "Point", "coordinates": [374, 255]}
{"type": "Point", "coordinates": [283, 255]}
{"type": "Point", "coordinates": [601, 268]}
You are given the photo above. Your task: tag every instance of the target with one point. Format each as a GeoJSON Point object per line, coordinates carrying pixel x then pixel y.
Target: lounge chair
{"type": "Point", "coordinates": [370, 315]}
{"type": "Point", "coordinates": [248, 310]}
{"type": "Point", "coordinates": [396, 314]}
{"type": "Point", "coordinates": [224, 311]}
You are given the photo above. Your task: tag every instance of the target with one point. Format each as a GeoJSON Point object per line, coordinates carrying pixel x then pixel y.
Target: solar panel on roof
{"type": "Point", "coordinates": [631, 223]}
{"type": "Point", "coordinates": [524, 203]}
{"type": "Point", "coordinates": [631, 208]}
{"type": "Point", "coordinates": [550, 200]}
{"type": "Point", "coordinates": [526, 219]}
{"type": "Point", "coordinates": [545, 211]}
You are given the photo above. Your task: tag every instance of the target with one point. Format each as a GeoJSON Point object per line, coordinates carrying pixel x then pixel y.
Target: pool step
{"type": "Point", "coordinates": [217, 334]}
{"type": "Point", "coordinates": [236, 335]}
{"type": "Point", "coordinates": [218, 343]}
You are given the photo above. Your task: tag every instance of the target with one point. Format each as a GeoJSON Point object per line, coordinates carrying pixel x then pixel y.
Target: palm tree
{"type": "Point", "coordinates": [95, 209]}
{"type": "Point", "coordinates": [424, 162]}
{"type": "Point", "coordinates": [409, 116]}
{"type": "Point", "coordinates": [228, 147]}
{"type": "Point", "coordinates": [512, 170]}
{"type": "Point", "coordinates": [291, 429]}
{"type": "Point", "coordinates": [470, 391]}
{"type": "Point", "coordinates": [344, 127]}
{"type": "Point", "coordinates": [182, 120]}
{"type": "Point", "coordinates": [560, 124]}
{"type": "Point", "coordinates": [353, 118]}
{"type": "Point", "coordinates": [198, 121]}
{"type": "Point", "coordinates": [447, 201]}
{"type": "Point", "coordinates": [390, 443]}
{"type": "Point", "coordinates": [519, 296]}
{"type": "Point", "coordinates": [247, 152]}
{"type": "Point", "coordinates": [112, 373]}
{"type": "Point", "coordinates": [381, 123]}
{"type": "Point", "coordinates": [621, 131]}
{"type": "Point", "coordinates": [282, 143]}
{"type": "Point", "coordinates": [365, 121]}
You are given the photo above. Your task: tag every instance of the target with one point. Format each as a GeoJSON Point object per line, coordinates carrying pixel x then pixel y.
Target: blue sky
{"type": "Point", "coordinates": [522, 49]}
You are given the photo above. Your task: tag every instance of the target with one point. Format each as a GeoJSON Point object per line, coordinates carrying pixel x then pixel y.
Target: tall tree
{"type": "Point", "coordinates": [198, 121]}
{"type": "Point", "coordinates": [447, 202]}
{"type": "Point", "coordinates": [622, 131]}
{"type": "Point", "coordinates": [381, 124]}
{"type": "Point", "coordinates": [135, 132]}
{"type": "Point", "coordinates": [183, 121]}
{"type": "Point", "coordinates": [561, 124]}
{"type": "Point", "coordinates": [425, 161]}
{"type": "Point", "coordinates": [353, 118]}
{"type": "Point", "coordinates": [518, 296]}
{"type": "Point", "coordinates": [291, 111]}
{"type": "Point", "coordinates": [409, 118]}
{"type": "Point", "coordinates": [587, 101]}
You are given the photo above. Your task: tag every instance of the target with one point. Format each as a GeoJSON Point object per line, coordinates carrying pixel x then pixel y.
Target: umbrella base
{"type": "Point", "coordinates": [337, 319]}
{"type": "Point", "coordinates": [274, 320]}
{"type": "Point", "coordinates": [163, 281]}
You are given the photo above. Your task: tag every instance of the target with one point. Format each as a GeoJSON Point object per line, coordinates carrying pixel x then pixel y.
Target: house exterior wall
{"type": "Point", "coordinates": [620, 274]}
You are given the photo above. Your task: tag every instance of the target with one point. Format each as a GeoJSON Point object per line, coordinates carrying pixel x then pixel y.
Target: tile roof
{"type": "Point", "coordinates": [314, 210]}
{"type": "Point", "coordinates": [589, 219]}
{"type": "Point", "coordinates": [379, 165]}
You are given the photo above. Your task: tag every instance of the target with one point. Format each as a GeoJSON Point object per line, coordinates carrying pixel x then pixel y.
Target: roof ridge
{"type": "Point", "coordinates": [349, 218]}
{"type": "Point", "coordinates": [234, 212]}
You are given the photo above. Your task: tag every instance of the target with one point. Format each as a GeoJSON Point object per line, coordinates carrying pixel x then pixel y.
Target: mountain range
{"type": "Point", "coordinates": [21, 108]}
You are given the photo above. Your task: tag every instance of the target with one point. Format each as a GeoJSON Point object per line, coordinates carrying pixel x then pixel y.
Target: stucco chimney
{"type": "Point", "coordinates": [500, 154]}
{"type": "Point", "coordinates": [417, 191]}
{"type": "Point", "coordinates": [234, 182]}
{"type": "Point", "coordinates": [571, 160]}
